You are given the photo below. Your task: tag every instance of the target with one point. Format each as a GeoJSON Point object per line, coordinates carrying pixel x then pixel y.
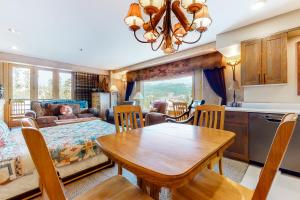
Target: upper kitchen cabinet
{"type": "Point", "coordinates": [251, 62]}
{"type": "Point", "coordinates": [264, 61]}
{"type": "Point", "coordinates": [274, 62]}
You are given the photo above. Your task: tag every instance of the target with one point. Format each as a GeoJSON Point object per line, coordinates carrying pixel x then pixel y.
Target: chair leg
{"type": "Point", "coordinates": [220, 166]}
{"type": "Point", "coordinates": [120, 169]}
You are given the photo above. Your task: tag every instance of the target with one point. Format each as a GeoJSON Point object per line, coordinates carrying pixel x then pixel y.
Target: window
{"type": "Point", "coordinates": [20, 83]}
{"type": "Point", "coordinates": [45, 84]}
{"type": "Point", "coordinates": [179, 89]}
{"type": "Point", "coordinates": [65, 85]}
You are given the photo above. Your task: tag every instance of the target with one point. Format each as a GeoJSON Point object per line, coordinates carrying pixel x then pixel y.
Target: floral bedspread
{"type": "Point", "coordinates": [67, 143]}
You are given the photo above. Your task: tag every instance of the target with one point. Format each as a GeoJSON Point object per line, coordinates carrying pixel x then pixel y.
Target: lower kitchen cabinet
{"type": "Point", "coordinates": [237, 122]}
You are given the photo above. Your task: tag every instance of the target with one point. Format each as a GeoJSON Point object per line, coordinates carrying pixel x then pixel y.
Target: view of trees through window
{"type": "Point", "coordinates": [65, 85]}
{"type": "Point", "coordinates": [20, 83]}
{"type": "Point", "coordinates": [45, 84]}
{"type": "Point", "coordinates": [179, 89]}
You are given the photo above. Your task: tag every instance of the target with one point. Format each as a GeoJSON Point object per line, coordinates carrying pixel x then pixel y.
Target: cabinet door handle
{"type": "Point", "coordinates": [264, 78]}
{"type": "Point", "coordinates": [259, 78]}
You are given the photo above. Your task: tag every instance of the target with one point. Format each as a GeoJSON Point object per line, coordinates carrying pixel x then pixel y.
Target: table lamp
{"type": "Point", "coordinates": [138, 97]}
{"type": "Point", "coordinates": [235, 84]}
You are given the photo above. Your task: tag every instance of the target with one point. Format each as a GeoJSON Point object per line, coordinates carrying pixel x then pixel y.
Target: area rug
{"type": "Point", "coordinates": [235, 170]}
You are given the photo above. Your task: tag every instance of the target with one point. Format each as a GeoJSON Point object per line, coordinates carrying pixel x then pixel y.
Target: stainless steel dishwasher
{"type": "Point", "coordinates": [262, 129]}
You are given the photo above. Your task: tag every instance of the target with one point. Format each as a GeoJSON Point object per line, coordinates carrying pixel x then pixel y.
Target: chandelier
{"type": "Point", "coordinates": [171, 34]}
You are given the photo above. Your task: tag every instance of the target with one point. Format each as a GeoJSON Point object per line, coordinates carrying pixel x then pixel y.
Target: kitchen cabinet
{"type": "Point", "coordinates": [237, 122]}
{"type": "Point", "coordinates": [251, 62]}
{"type": "Point", "coordinates": [264, 61]}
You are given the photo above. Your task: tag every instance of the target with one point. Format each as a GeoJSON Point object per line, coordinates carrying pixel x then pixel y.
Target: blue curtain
{"type": "Point", "coordinates": [216, 80]}
{"type": "Point", "coordinates": [129, 89]}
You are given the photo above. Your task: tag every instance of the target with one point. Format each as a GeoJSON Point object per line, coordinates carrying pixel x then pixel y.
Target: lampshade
{"type": "Point", "coordinates": [151, 6]}
{"type": "Point", "coordinates": [138, 96]}
{"type": "Point", "coordinates": [203, 20]}
{"type": "Point", "coordinates": [168, 46]}
{"type": "Point", "coordinates": [113, 88]}
{"type": "Point", "coordinates": [179, 31]}
{"type": "Point", "coordinates": [134, 18]}
{"type": "Point", "coordinates": [151, 36]}
{"type": "Point", "coordinates": [192, 6]}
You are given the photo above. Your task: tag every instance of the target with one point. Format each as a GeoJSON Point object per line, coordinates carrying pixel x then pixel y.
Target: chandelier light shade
{"type": "Point", "coordinates": [134, 18]}
{"type": "Point", "coordinates": [168, 23]}
{"type": "Point", "coordinates": [151, 36]}
{"type": "Point", "coordinates": [192, 5]}
{"type": "Point", "coordinates": [203, 20]}
{"type": "Point", "coordinates": [151, 6]}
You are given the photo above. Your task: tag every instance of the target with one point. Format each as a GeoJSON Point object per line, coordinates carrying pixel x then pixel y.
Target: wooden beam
{"type": "Point", "coordinates": [178, 67]}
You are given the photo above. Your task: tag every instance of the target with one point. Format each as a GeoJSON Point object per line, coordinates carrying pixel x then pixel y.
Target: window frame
{"type": "Point", "coordinates": [34, 80]}
{"type": "Point", "coordinates": [141, 84]}
{"type": "Point", "coordinates": [72, 84]}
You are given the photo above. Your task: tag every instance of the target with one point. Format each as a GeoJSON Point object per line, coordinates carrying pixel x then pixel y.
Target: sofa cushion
{"type": "Point", "coordinates": [46, 120]}
{"type": "Point", "coordinates": [37, 108]}
{"type": "Point", "coordinates": [54, 109]}
{"type": "Point", "coordinates": [85, 115]}
{"type": "Point", "coordinates": [63, 117]}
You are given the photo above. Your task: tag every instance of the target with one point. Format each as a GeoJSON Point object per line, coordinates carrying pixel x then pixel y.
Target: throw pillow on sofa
{"type": "Point", "coordinates": [66, 110]}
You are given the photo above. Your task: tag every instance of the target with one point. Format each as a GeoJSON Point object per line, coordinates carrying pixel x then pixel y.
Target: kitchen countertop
{"type": "Point", "coordinates": [275, 108]}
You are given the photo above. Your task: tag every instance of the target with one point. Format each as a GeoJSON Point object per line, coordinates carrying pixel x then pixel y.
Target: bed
{"type": "Point", "coordinates": [73, 150]}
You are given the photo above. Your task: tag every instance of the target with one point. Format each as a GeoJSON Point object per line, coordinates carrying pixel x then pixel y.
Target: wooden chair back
{"type": "Point", "coordinates": [50, 183]}
{"type": "Point", "coordinates": [180, 108]}
{"type": "Point", "coordinates": [276, 154]}
{"type": "Point", "coordinates": [126, 117]}
{"type": "Point", "coordinates": [17, 107]}
{"type": "Point", "coordinates": [29, 122]}
{"type": "Point", "coordinates": [210, 116]}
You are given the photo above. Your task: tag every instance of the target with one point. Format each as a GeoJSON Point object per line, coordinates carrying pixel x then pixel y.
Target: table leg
{"type": "Point", "coordinates": [149, 188]}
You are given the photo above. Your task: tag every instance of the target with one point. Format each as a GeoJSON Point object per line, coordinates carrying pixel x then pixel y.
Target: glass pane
{"type": "Point", "coordinates": [45, 82]}
{"type": "Point", "coordinates": [179, 89]}
{"type": "Point", "coordinates": [65, 85]}
{"type": "Point", "coordinates": [20, 83]}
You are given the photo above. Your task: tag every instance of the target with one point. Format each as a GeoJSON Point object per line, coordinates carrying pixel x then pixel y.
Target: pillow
{"type": "Point", "coordinates": [37, 108]}
{"type": "Point", "coordinates": [4, 131]}
{"type": "Point", "coordinates": [66, 110]}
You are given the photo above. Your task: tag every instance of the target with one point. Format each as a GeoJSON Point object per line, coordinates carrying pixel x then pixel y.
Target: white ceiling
{"type": "Point", "coordinates": [57, 29]}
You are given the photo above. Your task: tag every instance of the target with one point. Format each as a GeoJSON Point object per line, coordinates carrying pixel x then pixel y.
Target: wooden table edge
{"type": "Point", "coordinates": [177, 180]}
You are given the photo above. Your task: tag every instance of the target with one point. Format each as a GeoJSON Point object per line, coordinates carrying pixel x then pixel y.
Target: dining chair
{"type": "Point", "coordinates": [209, 185]}
{"type": "Point", "coordinates": [211, 116]}
{"type": "Point", "coordinates": [180, 108]}
{"type": "Point", "coordinates": [116, 187]}
{"type": "Point", "coordinates": [126, 117]}
{"type": "Point", "coordinates": [29, 122]}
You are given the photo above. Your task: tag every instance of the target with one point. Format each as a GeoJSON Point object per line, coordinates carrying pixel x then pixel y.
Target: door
{"type": "Point", "coordinates": [251, 62]}
{"type": "Point", "coordinates": [274, 59]}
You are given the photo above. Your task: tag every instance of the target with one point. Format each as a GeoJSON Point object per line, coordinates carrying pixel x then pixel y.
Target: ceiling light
{"type": "Point", "coordinates": [14, 48]}
{"type": "Point", "coordinates": [258, 4]}
{"type": "Point", "coordinates": [12, 30]}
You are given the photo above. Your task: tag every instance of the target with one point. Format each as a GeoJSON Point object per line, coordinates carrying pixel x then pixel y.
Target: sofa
{"type": "Point", "coordinates": [46, 112]}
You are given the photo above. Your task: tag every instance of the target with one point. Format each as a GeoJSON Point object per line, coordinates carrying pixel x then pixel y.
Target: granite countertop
{"type": "Point", "coordinates": [276, 108]}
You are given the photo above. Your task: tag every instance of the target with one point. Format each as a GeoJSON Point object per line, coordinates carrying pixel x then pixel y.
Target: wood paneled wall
{"type": "Point", "coordinates": [177, 68]}
{"type": "Point", "coordinates": [298, 61]}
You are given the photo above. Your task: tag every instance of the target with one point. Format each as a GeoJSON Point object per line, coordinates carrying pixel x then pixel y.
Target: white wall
{"type": "Point", "coordinates": [226, 42]}
{"type": "Point", "coordinates": [278, 93]}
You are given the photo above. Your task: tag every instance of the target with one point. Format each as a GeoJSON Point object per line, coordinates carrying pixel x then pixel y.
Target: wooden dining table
{"type": "Point", "coordinates": [165, 155]}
